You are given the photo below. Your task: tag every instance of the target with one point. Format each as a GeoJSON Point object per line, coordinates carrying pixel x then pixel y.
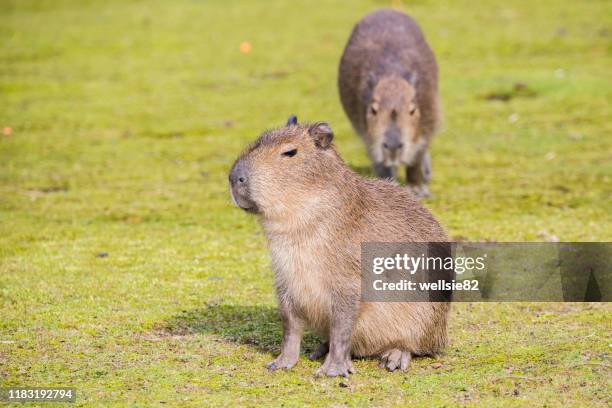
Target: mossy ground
{"type": "Point", "coordinates": [125, 117]}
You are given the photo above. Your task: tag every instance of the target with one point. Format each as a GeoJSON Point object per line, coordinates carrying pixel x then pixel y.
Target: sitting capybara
{"type": "Point", "coordinates": [316, 212]}
{"type": "Point", "coordinates": [388, 83]}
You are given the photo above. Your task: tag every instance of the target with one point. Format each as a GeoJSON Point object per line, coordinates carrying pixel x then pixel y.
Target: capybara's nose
{"type": "Point", "coordinates": [392, 146]}
{"type": "Point", "coordinates": [393, 141]}
{"type": "Point", "coordinates": [238, 174]}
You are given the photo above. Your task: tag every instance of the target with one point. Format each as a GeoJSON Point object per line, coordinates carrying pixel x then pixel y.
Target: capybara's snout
{"type": "Point", "coordinates": [392, 145]}
{"type": "Point", "coordinates": [238, 174]}
{"type": "Point", "coordinates": [239, 186]}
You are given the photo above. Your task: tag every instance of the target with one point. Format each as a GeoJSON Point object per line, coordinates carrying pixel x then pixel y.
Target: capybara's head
{"type": "Point", "coordinates": [285, 170]}
{"type": "Point", "coordinates": [393, 120]}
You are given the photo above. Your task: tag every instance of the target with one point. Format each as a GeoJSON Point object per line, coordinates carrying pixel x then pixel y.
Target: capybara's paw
{"type": "Point", "coordinates": [332, 368]}
{"type": "Point", "coordinates": [282, 362]}
{"type": "Point", "coordinates": [321, 351]}
{"type": "Point", "coordinates": [420, 191]}
{"type": "Point", "coordinates": [394, 359]}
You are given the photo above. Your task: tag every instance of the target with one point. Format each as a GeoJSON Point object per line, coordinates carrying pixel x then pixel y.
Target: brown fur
{"type": "Point", "coordinates": [388, 83]}
{"type": "Point", "coordinates": [315, 213]}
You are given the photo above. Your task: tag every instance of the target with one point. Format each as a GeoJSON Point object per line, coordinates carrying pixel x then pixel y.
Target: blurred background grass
{"type": "Point", "coordinates": [120, 120]}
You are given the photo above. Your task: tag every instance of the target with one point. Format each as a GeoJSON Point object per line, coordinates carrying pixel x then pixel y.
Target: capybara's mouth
{"type": "Point", "coordinates": [248, 206]}
{"type": "Point", "coordinates": [243, 202]}
{"type": "Point", "coordinates": [252, 210]}
{"type": "Point", "coordinates": [392, 163]}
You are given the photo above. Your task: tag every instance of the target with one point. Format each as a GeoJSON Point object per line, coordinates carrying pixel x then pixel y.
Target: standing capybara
{"type": "Point", "coordinates": [315, 213]}
{"type": "Point", "coordinates": [388, 82]}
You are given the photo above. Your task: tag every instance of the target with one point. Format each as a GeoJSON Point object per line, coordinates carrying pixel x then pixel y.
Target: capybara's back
{"type": "Point", "coordinates": [388, 83]}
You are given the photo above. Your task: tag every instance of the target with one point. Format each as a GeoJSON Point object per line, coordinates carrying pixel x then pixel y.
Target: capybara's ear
{"type": "Point", "coordinates": [292, 121]}
{"type": "Point", "coordinates": [411, 77]}
{"type": "Point", "coordinates": [321, 134]}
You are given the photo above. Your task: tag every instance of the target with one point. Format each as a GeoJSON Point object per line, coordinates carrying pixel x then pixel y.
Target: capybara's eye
{"type": "Point", "coordinates": [373, 110]}
{"type": "Point", "coordinates": [289, 153]}
{"type": "Point", "coordinates": [412, 110]}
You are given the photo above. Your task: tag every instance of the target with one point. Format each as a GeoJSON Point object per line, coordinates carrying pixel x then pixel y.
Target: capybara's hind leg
{"type": "Point", "coordinates": [321, 351]}
{"type": "Point", "coordinates": [394, 359]}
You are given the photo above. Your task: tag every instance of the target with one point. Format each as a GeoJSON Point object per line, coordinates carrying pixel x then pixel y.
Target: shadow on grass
{"type": "Point", "coordinates": [257, 326]}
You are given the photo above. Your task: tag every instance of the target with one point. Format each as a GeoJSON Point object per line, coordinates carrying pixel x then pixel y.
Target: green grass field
{"type": "Point", "coordinates": [121, 120]}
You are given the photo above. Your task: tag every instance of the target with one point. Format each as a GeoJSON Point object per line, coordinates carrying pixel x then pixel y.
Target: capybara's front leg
{"type": "Point", "coordinates": [293, 329]}
{"type": "Point", "coordinates": [419, 174]}
{"type": "Point", "coordinates": [338, 360]}
{"type": "Point", "coordinates": [384, 172]}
